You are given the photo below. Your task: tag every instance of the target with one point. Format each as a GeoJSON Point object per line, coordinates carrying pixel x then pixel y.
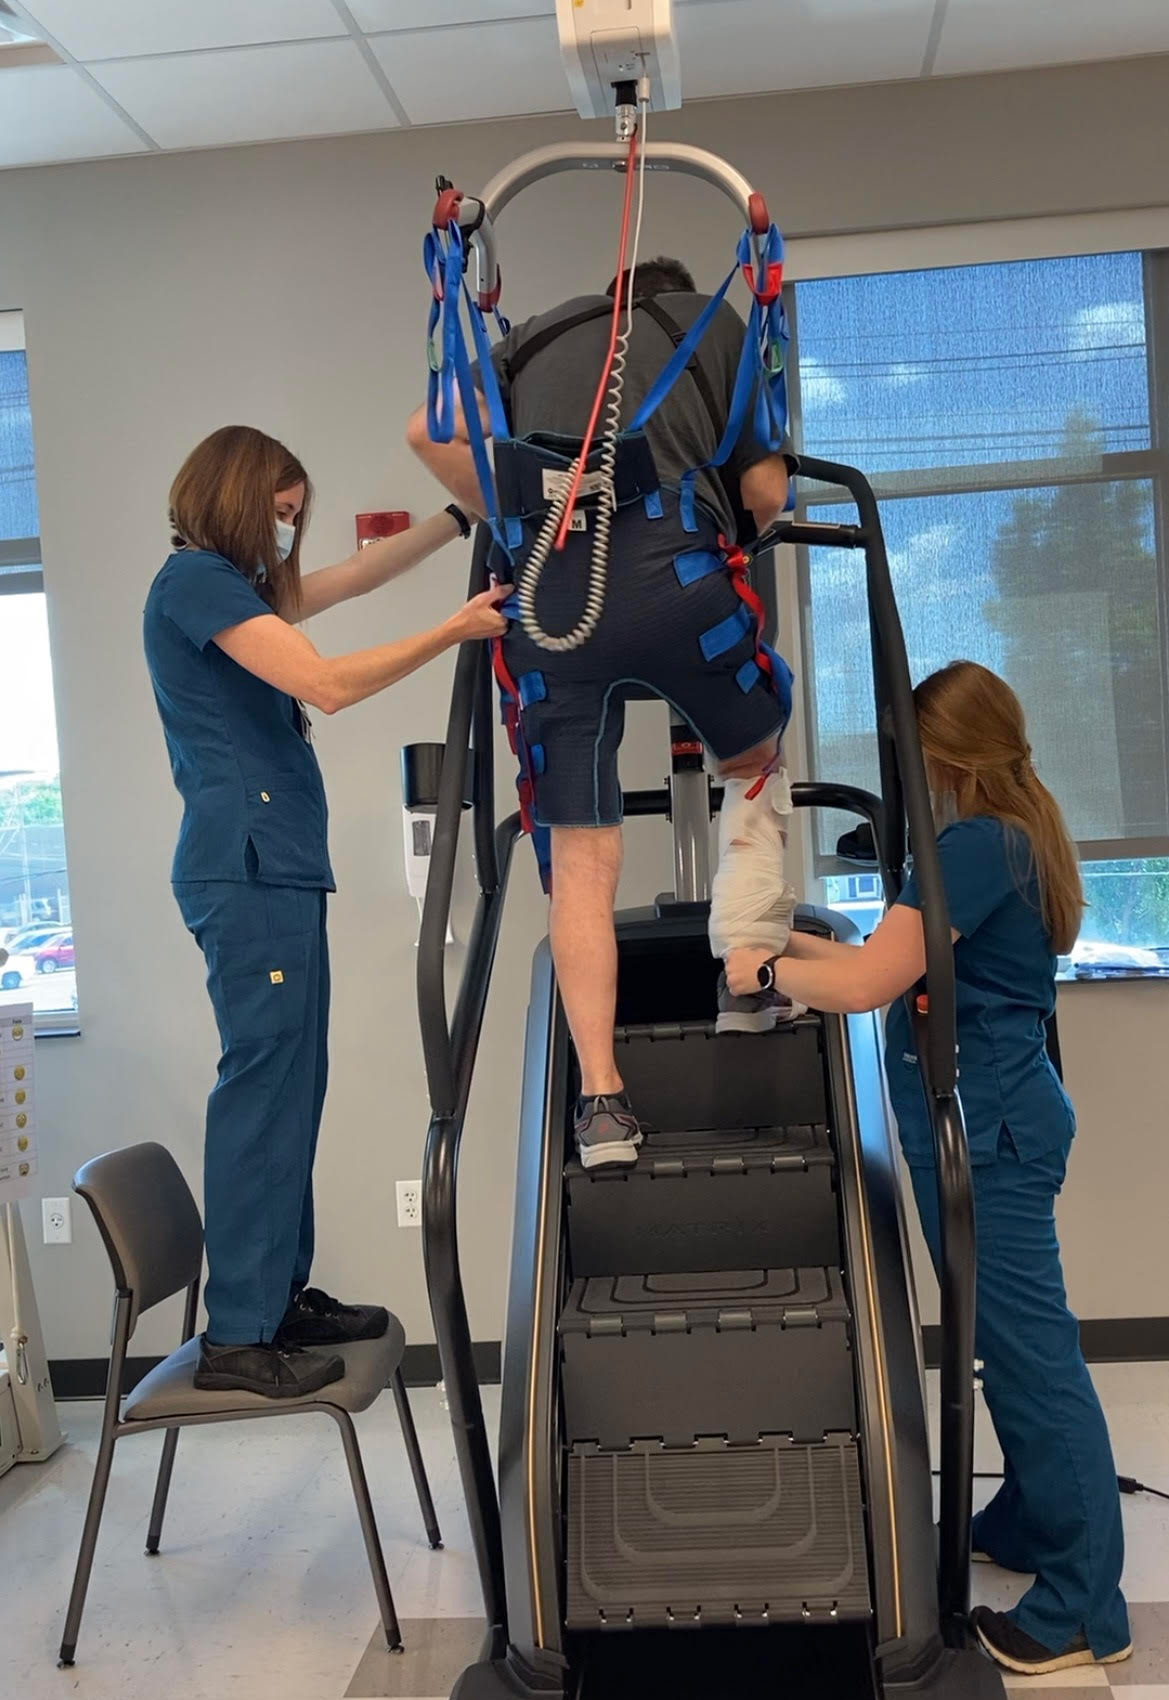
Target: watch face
{"type": "Point", "coordinates": [767, 976]}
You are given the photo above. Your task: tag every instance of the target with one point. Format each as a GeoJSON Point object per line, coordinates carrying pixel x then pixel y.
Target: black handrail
{"type": "Point", "coordinates": [903, 776]}
{"type": "Point", "coordinates": [449, 1050]}
{"type": "Point", "coordinates": [440, 1246]}
{"type": "Point", "coordinates": [823, 794]}
{"type": "Point", "coordinates": [450, 1047]}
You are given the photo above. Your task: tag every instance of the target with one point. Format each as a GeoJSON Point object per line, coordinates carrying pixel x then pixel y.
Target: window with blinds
{"type": "Point", "coordinates": [1014, 421]}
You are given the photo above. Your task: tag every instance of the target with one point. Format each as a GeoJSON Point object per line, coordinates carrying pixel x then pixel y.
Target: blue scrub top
{"type": "Point", "coordinates": [243, 767]}
{"type": "Point", "coordinates": [1005, 974]}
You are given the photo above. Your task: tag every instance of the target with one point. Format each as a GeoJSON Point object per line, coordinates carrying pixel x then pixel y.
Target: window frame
{"type": "Point", "coordinates": [1149, 465]}
{"type": "Point", "coordinates": [22, 574]}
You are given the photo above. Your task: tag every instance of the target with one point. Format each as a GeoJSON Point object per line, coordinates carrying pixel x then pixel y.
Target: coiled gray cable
{"type": "Point", "coordinates": [528, 583]}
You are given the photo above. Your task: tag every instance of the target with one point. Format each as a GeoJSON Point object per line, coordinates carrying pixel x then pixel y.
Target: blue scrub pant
{"type": "Point", "coordinates": [268, 976]}
{"type": "Point", "coordinates": [1058, 1511]}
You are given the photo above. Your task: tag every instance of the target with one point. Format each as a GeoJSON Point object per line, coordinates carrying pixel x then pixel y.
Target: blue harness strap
{"type": "Point", "coordinates": [444, 268]}
{"type": "Point", "coordinates": [727, 633]}
{"type": "Point", "coordinates": [783, 681]}
{"type": "Point", "coordinates": [748, 676]}
{"type": "Point", "coordinates": [513, 526]}
{"type": "Point", "coordinates": [532, 688]}
{"type": "Point", "coordinates": [695, 564]}
{"type": "Point", "coordinates": [760, 375]}
{"type": "Point", "coordinates": [682, 355]}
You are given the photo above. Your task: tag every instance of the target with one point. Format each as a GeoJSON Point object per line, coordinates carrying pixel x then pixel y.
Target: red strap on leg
{"type": "Point", "coordinates": [525, 785]}
{"type": "Point", "coordinates": [772, 767]}
{"type": "Point", "coordinates": [737, 564]}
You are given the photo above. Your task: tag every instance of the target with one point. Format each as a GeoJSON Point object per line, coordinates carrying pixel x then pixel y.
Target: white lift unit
{"type": "Point", "coordinates": [609, 42]}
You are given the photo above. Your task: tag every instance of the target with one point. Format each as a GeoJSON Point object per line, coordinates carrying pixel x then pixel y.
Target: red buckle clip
{"type": "Point", "coordinates": [768, 293]}
{"type": "Point", "coordinates": [446, 209]}
{"type": "Point", "coordinates": [489, 299]}
{"type": "Point", "coordinates": [733, 555]}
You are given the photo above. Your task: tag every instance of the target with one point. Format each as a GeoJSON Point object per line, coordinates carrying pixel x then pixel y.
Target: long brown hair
{"type": "Point", "coordinates": [974, 738]}
{"type": "Point", "coordinates": [222, 501]}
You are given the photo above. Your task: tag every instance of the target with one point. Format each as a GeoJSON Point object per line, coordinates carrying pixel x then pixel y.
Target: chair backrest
{"type": "Point", "coordinates": [148, 1220]}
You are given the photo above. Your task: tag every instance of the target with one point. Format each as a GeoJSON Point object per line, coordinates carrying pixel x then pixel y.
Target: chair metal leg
{"type": "Point", "coordinates": [373, 1545]}
{"type": "Point", "coordinates": [97, 1499]}
{"type": "Point", "coordinates": [417, 1466]}
{"type": "Point", "coordinates": [162, 1488]}
{"type": "Point", "coordinates": [101, 1477]}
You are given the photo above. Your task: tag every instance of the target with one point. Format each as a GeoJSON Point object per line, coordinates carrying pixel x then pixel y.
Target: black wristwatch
{"type": "Point", "coordinates": [766, 974]}
{"type": "Point", "coordinates": [459, 518]}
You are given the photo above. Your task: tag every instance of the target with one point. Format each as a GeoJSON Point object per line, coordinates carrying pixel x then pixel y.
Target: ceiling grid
{"type": "Point", "coordinates": [111, 77]}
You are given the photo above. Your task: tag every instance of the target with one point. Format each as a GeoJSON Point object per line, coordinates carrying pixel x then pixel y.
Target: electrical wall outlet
{"type": "Point", "coordinates": [57, 1220]}
{"type": "Point", "coordinates": [409, 1204]}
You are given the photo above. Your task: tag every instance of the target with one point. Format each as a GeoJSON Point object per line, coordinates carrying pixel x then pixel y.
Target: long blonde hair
{"type": "Point", "coordinates": [974, 738]}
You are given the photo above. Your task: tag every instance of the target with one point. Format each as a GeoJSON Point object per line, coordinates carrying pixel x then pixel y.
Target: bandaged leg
{"type": "Point", "coordinates": [752, 903]}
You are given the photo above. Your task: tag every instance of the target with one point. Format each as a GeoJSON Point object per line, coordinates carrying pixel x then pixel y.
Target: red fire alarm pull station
{"type": "Point", "coordinates": [371, 528]}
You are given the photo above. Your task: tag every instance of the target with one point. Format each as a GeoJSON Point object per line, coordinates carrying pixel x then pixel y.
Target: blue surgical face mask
{"type": "Point", "coordinates": [285, 539]}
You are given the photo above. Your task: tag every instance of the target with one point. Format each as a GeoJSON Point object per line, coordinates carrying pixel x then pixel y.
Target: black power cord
{"type": "Point", "coordinates": [1129, 1484]}
{"type": "Point", "coordinates": [1126, 1484]}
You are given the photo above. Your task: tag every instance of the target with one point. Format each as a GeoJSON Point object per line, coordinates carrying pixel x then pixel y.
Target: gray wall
{"type": "Point", "coordinates": [281, 286]}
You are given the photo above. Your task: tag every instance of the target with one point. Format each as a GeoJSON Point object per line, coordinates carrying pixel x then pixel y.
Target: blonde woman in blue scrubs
{"type": "Point", "coordinates": [1013, 890]}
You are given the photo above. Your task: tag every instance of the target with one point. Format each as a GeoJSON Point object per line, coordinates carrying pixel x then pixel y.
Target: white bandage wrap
{"type": "Point", "coordinates": [751, 901]}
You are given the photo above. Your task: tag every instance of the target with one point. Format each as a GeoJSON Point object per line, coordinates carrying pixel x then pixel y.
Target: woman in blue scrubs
{"type": "Point", "coordinates": [1015, 900]}
{"type": "Point", "coordinates": [251, 873]}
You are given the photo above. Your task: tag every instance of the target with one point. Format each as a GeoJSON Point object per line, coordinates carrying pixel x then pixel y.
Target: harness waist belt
{"type": "Point", "coordinates": [527, 469]}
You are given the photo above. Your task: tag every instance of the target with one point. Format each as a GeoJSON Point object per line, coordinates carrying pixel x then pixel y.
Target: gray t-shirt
{"type": "Point", "coordinates": [555, 390]}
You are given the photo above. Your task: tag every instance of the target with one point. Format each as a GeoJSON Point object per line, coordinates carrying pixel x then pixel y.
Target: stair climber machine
{"type": "Point", "coordinates": [714, 1473]}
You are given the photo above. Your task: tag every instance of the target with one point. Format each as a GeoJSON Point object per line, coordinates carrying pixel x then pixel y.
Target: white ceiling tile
{"type": "Point", "coordinates": [749, 46]}
{"type": "Point", "coordinates": [113, 29]}
{"type": "Point", "coordinates": [495, 70]}
{"type": "Point", "coordinates": [250, 94]}
{"type": "Point", "coordinates": [994, 35]}
{"type": "Point", "coordinates": [376, 15]}
{"type": "Point", "coordinates": [50, 113]}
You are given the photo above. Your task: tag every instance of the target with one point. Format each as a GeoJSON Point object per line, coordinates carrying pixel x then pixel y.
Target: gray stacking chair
{"type": "Point", "coordinates": [151, 1229]}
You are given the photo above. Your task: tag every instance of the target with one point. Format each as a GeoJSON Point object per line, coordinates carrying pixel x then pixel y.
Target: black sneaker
{"type": "Point", "coordinates": [315, 1319]}
{"type": "Point", "coordinates": [607, 1134]}
{"type": "Point", "coordinates": [273, 1371]}
{"type": "Point", "coordinates": [759, 1012]}
{"type": "Point", "coordinates": [1010, 1647]}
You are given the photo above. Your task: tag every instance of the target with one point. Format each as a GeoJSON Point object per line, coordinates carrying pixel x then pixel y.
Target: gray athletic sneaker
{"type": "Point", "coordinates": [607, 1134]}
{"type": "Point", "coordinates": [759, 1013]}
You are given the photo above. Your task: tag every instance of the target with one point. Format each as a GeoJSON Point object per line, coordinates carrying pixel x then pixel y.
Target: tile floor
{"type": "Point", "coordinates": [261, 1591]}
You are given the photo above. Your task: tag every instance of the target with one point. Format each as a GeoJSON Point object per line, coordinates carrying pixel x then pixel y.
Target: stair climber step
{"type": "Point", "coordinates": [682, 1076]}
{"type": "Point", "coordinates": [735, 1354]}
{"type": "Point", "coordinates": [716, 1534]}
{"type": "Point", "coordinates": [760, 1198]}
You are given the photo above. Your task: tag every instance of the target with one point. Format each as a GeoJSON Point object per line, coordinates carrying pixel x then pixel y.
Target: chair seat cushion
{"type": "Point", "coordinates": [169, 1389]}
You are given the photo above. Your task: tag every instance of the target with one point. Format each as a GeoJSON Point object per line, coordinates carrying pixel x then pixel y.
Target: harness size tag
{"type": "Point", "coordinates": [579, 521]}
{"type": "Point", "coordinates": [554, 480]}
